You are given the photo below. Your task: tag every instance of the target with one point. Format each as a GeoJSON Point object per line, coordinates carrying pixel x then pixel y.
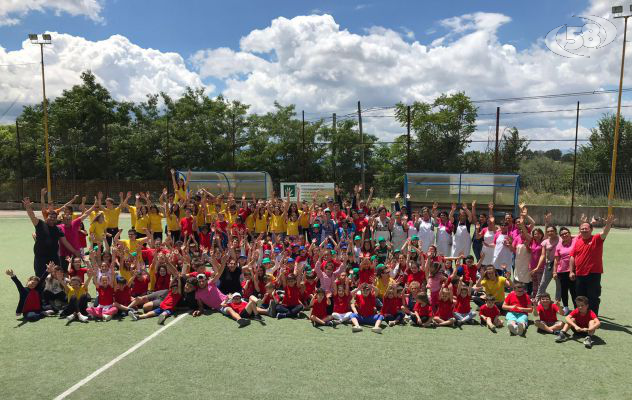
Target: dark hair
{"type": "Point", "coordinates": [545, 295]}
{"type": "Point", "coordinates": [490, 298]}
{"type": "Point", "coordinates": [581, 299]}
{"type": "Point", "coordinates": [551, 227]}
{"type": "Point", "coordinates": [470, 257]}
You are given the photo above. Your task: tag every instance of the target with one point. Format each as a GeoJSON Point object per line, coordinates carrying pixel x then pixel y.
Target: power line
{"type": "Point", "coordinates": [18, 65]}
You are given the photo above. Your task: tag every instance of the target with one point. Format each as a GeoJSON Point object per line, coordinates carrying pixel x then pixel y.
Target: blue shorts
{"type": "Point", "coordinates": [517, 317]}
{"type": "Point", "coordinates": [370, 320]}
{"type": "Point", "coordinates": [159, 311]}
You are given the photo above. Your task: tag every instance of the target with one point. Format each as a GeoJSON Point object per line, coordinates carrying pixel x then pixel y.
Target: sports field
{"type": "Point", "coordinates": [210, 357]}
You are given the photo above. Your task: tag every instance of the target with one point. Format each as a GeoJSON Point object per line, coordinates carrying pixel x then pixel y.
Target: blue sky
{"type": "Point", "coordinates": [246, 50]}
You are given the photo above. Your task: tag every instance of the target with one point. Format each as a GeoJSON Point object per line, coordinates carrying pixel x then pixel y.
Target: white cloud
{"type": "Point", "coordinates": [312, 62]}
{"type": "Point", "coordinates": [12, 10]}
{"type": "Point", "coordinates": [127, 70]}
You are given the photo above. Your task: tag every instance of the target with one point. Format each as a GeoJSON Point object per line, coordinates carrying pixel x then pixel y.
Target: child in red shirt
{"type": "Point", "coordinates": [269, 301]}
{"type": "Point", "coordinates": [422, 312]}
{"type": "Point", "coordinates": [364, 310]}
{"type": "Point", "coordinates": [489, 313]}
{"type": "Point", "coordinates": [546, 313]}
{"type": "Point", "coordinates": [319, 314]}
{"type": "Point", "coordinates": [462, 310]}
{"type": "Point", "coordinates": [240, 310]}
{"type": "Point", "coordinates": [166, 307]}
{"type": "Point", "coordinates": [444, 316]}
{"type": "Point", "coordinates": [392, 307]}
{"type": "Point", "coordinates": [105, 289]}
{"type": "Point", "coordinates": [342, 302]}
{"type": "Point", "coordinates": [581, 320]}
{"type": "Point", "coordinates": [122, 294]}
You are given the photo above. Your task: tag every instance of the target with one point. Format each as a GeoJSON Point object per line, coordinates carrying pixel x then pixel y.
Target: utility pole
{"type": "Point", "coordinates": [496, 146]}
{"type": "Point", "coordinates": [574, 166]}
{"type": "Point", "coordinates": [17, 134]}
{"type": "Point", "coordinates": [234, 133]}
{"type": "Point", "coordinates": [304, 153]}
{"type": "Point", "coordinates": [362, 148]}
{"type": "Point", "coordinates": [333, 148]}
{"type": "Point", "coordinates": [408, 138]}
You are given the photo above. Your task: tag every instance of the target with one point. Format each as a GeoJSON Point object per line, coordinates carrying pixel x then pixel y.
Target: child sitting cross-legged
{"type": "Point", "coordinates": [490, 313]}
{"type": "Point", "coordinates": [444, 315]}
{"type": "Point", "coordinates": [582, 321]}
{"type": "Point", "coordinates": [546, 313]}
{"type": "Point", "coordinates": [422, 312]}
{"type": "Point", "coordinates": [518, 306]}
{"type": "Point", "coordinates": [363, 307]}
{"type": "Point", "coordinates": [319, 315]}
{"type": "Point", "coordinates": [30, 304]}
{"type": "Point", "coordinates": [77, 296]}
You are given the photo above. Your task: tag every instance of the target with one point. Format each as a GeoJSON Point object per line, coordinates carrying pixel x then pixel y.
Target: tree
{"type": "Point", "coordinates": [442, 131]}
{"type": "Point", "coordinates": [596, 156]}
{"type": "Point", "coordinates": [554, 154]}
{"type": "Point", "coordinates": [513, 149]}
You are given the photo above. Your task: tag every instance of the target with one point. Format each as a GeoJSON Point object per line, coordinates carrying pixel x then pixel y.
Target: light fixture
{"type": "Point", "coordinates": [622, 9]}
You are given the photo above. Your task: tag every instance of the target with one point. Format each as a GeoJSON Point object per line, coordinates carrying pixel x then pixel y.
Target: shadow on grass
{"type": "Point", "coordinates": [608, 324]}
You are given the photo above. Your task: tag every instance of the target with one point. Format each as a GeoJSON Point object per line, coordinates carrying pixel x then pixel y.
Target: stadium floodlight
{"type": "Point", "coordinates": [622, 9]}
{"type": "Point", "coordinates": [41, 40]}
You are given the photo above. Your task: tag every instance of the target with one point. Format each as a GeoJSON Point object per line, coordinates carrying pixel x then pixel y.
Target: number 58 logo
{"type": "Point", "coordinates": [568, 41]}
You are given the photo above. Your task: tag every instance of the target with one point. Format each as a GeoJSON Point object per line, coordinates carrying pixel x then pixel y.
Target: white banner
{"type": "Point", "coordinates": [307, 189]}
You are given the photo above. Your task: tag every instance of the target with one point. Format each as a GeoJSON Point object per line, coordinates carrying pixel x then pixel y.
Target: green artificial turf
{"type": "Point", "coordinates": [210, 357]}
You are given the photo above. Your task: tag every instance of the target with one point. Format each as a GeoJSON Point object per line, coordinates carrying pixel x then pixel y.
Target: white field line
{"type": "Point", "coordinates": [117, 359]}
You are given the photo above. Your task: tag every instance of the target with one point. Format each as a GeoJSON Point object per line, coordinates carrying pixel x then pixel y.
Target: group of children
{"type": "Point", "coordinates": [339, 262]}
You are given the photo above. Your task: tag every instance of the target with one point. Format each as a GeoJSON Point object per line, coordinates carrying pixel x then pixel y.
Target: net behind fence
{"type": "Point", "coordinates": [593, 185]}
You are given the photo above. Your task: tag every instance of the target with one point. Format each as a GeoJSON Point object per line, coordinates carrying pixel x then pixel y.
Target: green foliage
{"type": "Point", "coordinates": [596, 156]}
{"type": "Point", "coordinates": [442, 131]}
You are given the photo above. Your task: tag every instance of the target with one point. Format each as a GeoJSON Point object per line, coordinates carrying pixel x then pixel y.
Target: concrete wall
{"type": "Point", "coordinates": [562, 214]}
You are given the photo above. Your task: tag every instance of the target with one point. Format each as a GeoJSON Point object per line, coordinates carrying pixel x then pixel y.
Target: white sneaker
{"type": "Point", "coordinates": [356, 329]}
{"type": "Point", "coordinates": [107, 317]}
{"type": "Point", "coordinates": [161, 318]}
{"type": "Point", "coordinates": [376, 330]}
{"type": "Point", "coordinates": [82, 318]}
{"type": "Point", "coordinates": [512, 329]}
{"type": "Point", "coordinates": [132, 314]}
{"type": "Point", "coordinates": [520, 330]}
{"type": "Point", "coordinates": [71, 317]}
{"type": "Point", "coordinates": [48, 313]}
{"type": "Point", "coordinates": [566, 311]}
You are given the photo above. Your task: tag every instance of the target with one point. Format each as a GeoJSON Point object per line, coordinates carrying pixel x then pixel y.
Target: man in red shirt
{"type": "Point", "coordinates": [586, 262]}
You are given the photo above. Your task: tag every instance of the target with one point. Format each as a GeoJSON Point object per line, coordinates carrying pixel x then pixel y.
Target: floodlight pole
{"type": "Point", "coordinates": [613, 168]}
{"type": "Point", "coordinates": [46, 40]}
